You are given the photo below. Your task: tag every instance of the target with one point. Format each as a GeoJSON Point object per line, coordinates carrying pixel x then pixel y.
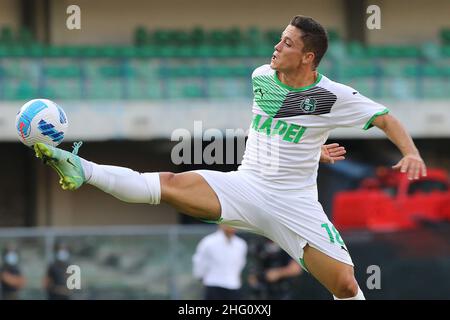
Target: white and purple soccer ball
{"type": "Point", "coordinates": [41, 120]}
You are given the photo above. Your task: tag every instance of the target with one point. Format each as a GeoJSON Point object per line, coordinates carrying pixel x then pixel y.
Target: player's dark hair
{"type": "Point", "coordinates": [314, 36]}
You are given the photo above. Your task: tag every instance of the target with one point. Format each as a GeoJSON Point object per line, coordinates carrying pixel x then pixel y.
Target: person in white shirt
{"type": "Point", "coordinates": [218, 261]}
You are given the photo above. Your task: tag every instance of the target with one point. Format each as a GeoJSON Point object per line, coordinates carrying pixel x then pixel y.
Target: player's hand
{"type": "Point", "coordinates": [413, 165]}
{"type": "Point", "coordinates": [252, 280]}
{"type": "Point", "coordinates": [330, 153]}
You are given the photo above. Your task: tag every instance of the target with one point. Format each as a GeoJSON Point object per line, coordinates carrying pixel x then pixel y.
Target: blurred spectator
{"type": "Point", "coordinates": [55, 281]}
{"type": "Point", "coordinates": [274, 272]}
{"type": "Point", "coordinates": [218, 261]}
{"type": "Point", "coordinates": [11, 276]}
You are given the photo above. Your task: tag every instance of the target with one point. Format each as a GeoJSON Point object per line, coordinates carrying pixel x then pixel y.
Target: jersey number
{"type": "Point", "coordinates": [336, 236]}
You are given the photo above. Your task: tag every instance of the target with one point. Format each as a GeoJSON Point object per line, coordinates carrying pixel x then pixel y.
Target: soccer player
{"type": "Point", "coordinates": [273, 192]}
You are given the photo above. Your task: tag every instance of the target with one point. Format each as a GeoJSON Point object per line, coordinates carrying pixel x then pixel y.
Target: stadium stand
{"type": "Point", "coordinates": [172, 64]}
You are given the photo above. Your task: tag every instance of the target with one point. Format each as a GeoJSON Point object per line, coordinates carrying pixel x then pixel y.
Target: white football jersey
{"type": "Point", "coordinates": [291, 124]}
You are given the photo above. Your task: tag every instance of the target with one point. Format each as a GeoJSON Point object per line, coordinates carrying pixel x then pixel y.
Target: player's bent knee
{"type": "Point", "coordinates": [346, 286]}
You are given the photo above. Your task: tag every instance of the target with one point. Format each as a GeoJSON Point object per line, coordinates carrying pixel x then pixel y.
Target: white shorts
{"type": "Point", "coordinates": [291, 219]}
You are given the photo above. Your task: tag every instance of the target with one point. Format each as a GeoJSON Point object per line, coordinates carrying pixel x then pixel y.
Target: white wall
{"type": "Point", "coordinates": [147, 120]}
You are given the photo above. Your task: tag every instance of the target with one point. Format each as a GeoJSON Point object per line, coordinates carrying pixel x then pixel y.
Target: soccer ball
{"type": "Point", "coordinates": [41, 120]}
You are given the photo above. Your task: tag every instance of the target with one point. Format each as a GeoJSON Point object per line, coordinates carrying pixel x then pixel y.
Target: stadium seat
{"type": "Point", "coordinates": [54, 51]}
{"type": "Point", "coordinates": [217, 37]}
{"type": "Point", "coordinates": [242, 51]}
{"type": "Point", "coordinates": [36, 51]}
{"type": "Point", "coordinates": [25, 91]}
{"type": "Point", "coordinates": [220, 71]}
{"type": "Point", "coordinates": [8, 92]}
{"type": "Point", "coordinates": [6, 36]}
{"type": "Point", "coordinates": [203, 51]}
{"type": "Point", "coordinates": [446, 71]}
{"type": "Point", "coordinates": [445, 36]}
{"type": "Point", "coordinates": [160, 37]}
{"type": "Point", "coordinates": [446, 50]}
{"type": "Point", "coordinates": [396, 88]}
{"type": "Point", "coordinates": [356, 50]}
{"type": "Point", "coordinates": [168, 51]}
{"type": "Point", "coordinates": [104, 89]}
{"type": "Point", "coordinates": [392, 69]}
{"type": "Point", "coordinates": [430, 51]}
{"type": "Point", "coordinates": [225, 56]}
{"type": "Point", "coordinates": [141, 37]}
{"type": "Point", "coordinates": [111, 71]}
{"type": "Point", "coordinates": [186, 51]}
{"type": "Point", "coordinates": [192, 91]}
{"type": "Point", "coordinates": [63, 89]}
{"type": "Point", "coordinates": [138, 89]}
{"type": "Point", "coordinates": [181, 38]}
{"type": "Point", "coordinates": [412, 71]}
{"type": "Point", "coordinates": [109, 52]}
{"type": "Point", "coordinates": [222, 51]}
{"type": "Point", "coordinates": [235, 36]}
{"type": "Point", "coordinates": [375, 51]}
{"type": "Point", "coordinates": [336, 51]}
{"type": "Point", "coordinates": [197, 36]}
{"type": "Point", "coordinates": [273, 36]}
{"type": "Point", "coordinates": [3, 51]}
{"type": "Point", "coordinates": [147, 51]}
{"type": "Point", "coordinates": [63, 72]}
{"type": "Point", "coordinates": [25, 37]}
{"type": "Point", "coordinates": [333, 35]}
{"type": "Point", "coordinates": [90, 51]}
{"type": "Point", "coordinates": [409, 52]}
{"type": "Point", "coordinates": [15, 51]}
{"type": "Point", "coordinates": [264, 51]}
{"type": "Point", "coordinates": [431, 71]}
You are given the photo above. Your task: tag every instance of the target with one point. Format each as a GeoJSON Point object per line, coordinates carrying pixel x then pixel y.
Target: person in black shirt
{"type": "Point", "coordinates": [274, 272]}
{"type": "Point", "coordinates": [55, 281]}
{"type": "Point", "coordinates": [11, 277]}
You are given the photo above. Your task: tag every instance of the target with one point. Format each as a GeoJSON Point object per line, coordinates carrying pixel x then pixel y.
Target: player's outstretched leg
{"type": "Point", "coordinates": [188, 192]}
{"type": "Point", "coordinates": [336, 276]}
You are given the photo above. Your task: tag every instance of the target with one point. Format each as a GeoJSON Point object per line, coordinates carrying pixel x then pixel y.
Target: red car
{"type": "Point", "coordinates": [390, 201]}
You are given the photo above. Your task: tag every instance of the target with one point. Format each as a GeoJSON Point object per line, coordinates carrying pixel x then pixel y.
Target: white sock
{"type": "Point", "coordinates": [87, 168]}
{"type": "Point", "coordinates": [125, 184]}
{"type": "Point", "coordinates": [359, 296]}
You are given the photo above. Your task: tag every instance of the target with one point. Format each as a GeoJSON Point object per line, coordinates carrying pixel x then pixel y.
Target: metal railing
{"type": "Point", "coordinates": [129, 262]}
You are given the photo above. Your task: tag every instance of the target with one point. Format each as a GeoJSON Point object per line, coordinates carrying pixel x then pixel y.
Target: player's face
{"type": "Point", "coordinates": [288, 54]}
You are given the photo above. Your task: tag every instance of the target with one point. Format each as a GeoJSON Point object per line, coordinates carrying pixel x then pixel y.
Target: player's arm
{"type": "Point", "coordinates": [46, 282]}
{"type": "Point", "coordinates": [330, 153]}
{"type": "Point", "coordinates": [292, 269]}
{"type": "Point", "coordinates": [412, 162]}
{"type": "Point", "coordinates": [14, 280]}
